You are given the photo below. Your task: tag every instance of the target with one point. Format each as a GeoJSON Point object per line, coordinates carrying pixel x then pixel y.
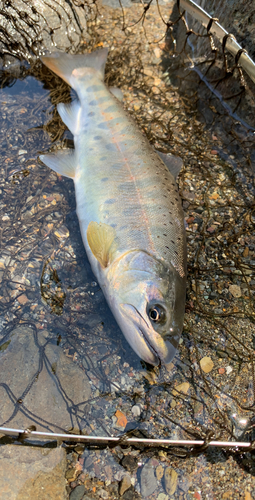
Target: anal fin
{"type": "Point", "coordinates": [173, 163]}
{"type": "Point", "coordinates": [70, 114]}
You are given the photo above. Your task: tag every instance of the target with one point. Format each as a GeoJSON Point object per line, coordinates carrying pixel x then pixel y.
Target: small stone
{"type": "Point", "coordinates": [124, 484]}
{"type": "Point", "coordinates": [5, 218]}
{"type": "Point", "coordinates": [247, 495]}
{"type": "Point", "coordinates": [221, 371]}
{"type": "Point", "coordinates": [78, 492]}
{"type": "Point", "coordinates": [121, 419]}
{"type": "Point", "coordinates": [214, 196]}
{"type": "Point", "coordinates": [206, 364]}
{"type": "Point", "coordinates": [246, 252]}
{"type": "Point", "coordinates": [184, 387]}
{"type": "Point", "coordinates": [22, 299]}
{"type": "Point", "coordinates": [148, 480]}
{"type": "Point", "coordinates": [103, 494]}
{"type": "Point", "coordinates": [235, 290]}
{"type": "Point", "coordinates": [228, 495]}
{"type": "Point", "coordinates": [229, 369]}
{"type": "Point", "coordinates": [159, 472]}
{"type": "Point", "coordinates": [70, 475]}
{"type": "Point", "coordinates": [214, 152]}
{"type": "Point", "coordinates": [171, 480]}
{"type": "Point", "coordinates": [136, 410]}
{"type": "Point", "coordinates": [162, 496]}
{"type": "Point", "coordinates": [129, 462]}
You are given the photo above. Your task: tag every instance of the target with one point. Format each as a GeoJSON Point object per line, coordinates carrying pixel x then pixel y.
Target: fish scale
{"type": "Point", "coordinates": [129, 210]}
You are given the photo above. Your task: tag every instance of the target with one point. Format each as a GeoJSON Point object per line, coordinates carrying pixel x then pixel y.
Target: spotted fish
{"type": "Point", "coordinates": [128, 206]}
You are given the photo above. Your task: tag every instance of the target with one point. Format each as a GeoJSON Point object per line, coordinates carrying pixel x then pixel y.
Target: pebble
{"type": "Point", "coordinates": [162, 496]}
{"type": "Point", "coordinates": [148, 479]}
{"type": "Point", "coordinates": [229, 369]}
{"type": "Point", "coordinates": [136, 410]}
{"type": "Point", "coordinates": [22, 299]}
{"type": "Point", "coordinates": [159, 472]}
{"type": "Point", "coordinates": [235, 290]}
{"type": "Point", "coordinates": [103, 494]}
{"type": "Point", "coordinates": [121, 420]}
{"type": "Point", "coordinates": [184, 387]}
{"type": "Point", "coordinates": [206, 364]}
{"type": "Point", "coordinates": [124, 484]}
{"type": "Point", "coordinates": [171, 480]}
{"type": "Point", "coordinates": [78, 492]}
{"type": "Point", "coordinates": [221, 371]}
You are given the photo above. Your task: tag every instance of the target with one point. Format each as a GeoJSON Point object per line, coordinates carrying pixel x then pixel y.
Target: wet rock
{"type": "Point", "coordinates": [103, 494]}
{"type": "Point", "coordinates": [206, 364]}
{"type": "Point", "coordinates": [171, 480]}
{"type": "Point", "coordinates": [235, 290]}
{"type": "Point", "coordinates": [129, 462]}
{"type": "Point", "coordinates": [48, 393]}
{"type": "Point", "coordinates": [148, 479]}
{"type": "Point", "coordinates": [159, 472]}
{"type": "Point", "coordinates": [32, 473]}
{"type": "Point", "coordinates": [184, 388]}
{"type": "Point", "coordinates": [77, 493]}
{"type": "Point", "coordinates": [124, 484]}
{"type": "Point", "coordinates": [136, 410]}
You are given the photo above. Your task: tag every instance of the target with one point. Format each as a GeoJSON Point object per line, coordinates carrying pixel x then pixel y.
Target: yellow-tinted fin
{"type": "Point", "coordinates": [101, 242]}
{"type": "Point", "coordinates": [64, 162]}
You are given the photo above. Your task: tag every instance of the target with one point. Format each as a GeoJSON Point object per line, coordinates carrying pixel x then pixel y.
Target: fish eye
{"type": "Point", "coordinates": [157, 314]}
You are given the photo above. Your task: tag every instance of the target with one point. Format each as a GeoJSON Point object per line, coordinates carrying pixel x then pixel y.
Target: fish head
{"type": "Point", "coordinates": [148, 300]}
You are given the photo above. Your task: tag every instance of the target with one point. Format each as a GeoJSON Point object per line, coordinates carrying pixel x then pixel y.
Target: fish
{"type": "Point", "coordinates": [128, 206]}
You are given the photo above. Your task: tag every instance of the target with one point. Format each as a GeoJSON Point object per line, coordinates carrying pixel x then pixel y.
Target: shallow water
{"type": "Point", "coordinates": [73, 368]}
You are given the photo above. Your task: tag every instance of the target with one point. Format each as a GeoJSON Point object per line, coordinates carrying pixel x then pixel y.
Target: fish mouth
{"type": "Point", "coordinates": [154, 352]}
{"type": "Point", "coordinates": [152, 356]}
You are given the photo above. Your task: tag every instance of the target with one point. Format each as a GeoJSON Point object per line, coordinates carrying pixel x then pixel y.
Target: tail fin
{"type": "Point", "coordinates": [64, 64]}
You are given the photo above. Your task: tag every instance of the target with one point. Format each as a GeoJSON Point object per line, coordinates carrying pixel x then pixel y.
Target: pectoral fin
{"type": "Point", "coordinates": [101, 242]}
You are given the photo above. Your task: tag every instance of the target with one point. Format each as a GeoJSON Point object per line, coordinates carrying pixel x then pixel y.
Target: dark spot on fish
{"type": "Point", "coordinates": [179, 239]}
{"type": "Point", "coordinates": [176, 252]}
{"type": "Point", "coordinates": [92, 103]}
{"type": "Point", "coordinates": [171, 223]}
{"type": "Point", "coordinates": [110, 108]}
{"type": "Point", "coordinates": [91, 149]}
{"type": "Point", "coordinates": [164, 234]}
{"type": "Point", "coordinates": [91, 113]}
{"type": "Point", "coordinates": [97, 137]}
{"type": "Point", "coordinates": [173, 242]}
{"type": "Point", "coordinates": [172, 202]}
{"type": "Point", "coordinates": [113, 225]}
{"type": "Point", "coordinates": [92, 88]}
{"type": "Point", "coordinates": [102, 125]}
{"type": "Point", "coordinates": [104, 179]}
{"type": "Point", "coordinates": [110, 201]}
{"type": "Point", "coordinates": [164, 224]}
{"type": "Point", "coordinates": [110, 147]}
{"type": "Point", "coordinates": [176, 199]}
{"type": "Point", "coordinates": [103, 158]}
{"type": "Point", "coordinates": [167, 247]}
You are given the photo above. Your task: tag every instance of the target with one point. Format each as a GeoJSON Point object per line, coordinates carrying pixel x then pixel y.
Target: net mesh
{"type": "Point", "coordinates": [193, 99]}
